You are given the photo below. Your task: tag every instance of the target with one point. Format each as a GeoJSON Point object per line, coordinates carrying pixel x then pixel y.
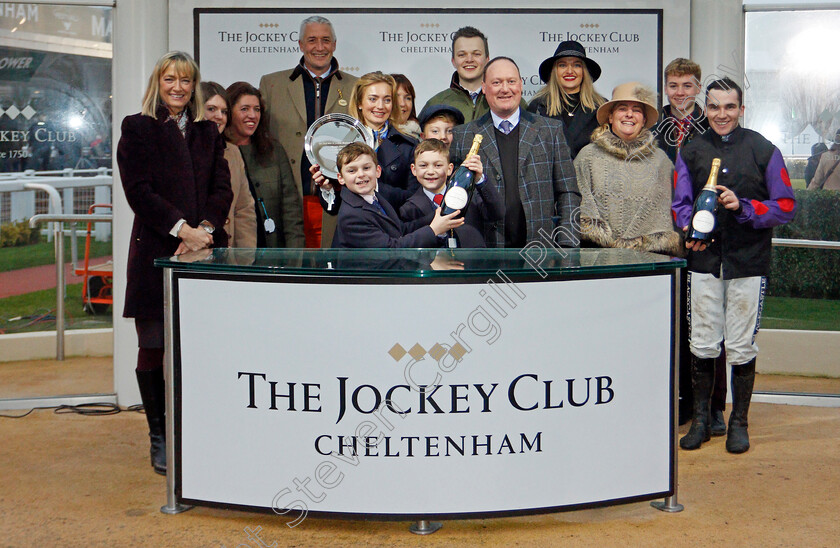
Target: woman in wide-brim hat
{"type": "Point", "coordinates": [569, 94]}
{"type": "Point", "coordinates": [625, 178]}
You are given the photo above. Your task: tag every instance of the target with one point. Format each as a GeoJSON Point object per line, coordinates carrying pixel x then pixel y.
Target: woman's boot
{"type": "Point", "coordinates": [154, 402]}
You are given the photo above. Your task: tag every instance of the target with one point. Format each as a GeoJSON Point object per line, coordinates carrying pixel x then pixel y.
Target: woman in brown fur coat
{"type": "Point", "coordinates": [625, 179]}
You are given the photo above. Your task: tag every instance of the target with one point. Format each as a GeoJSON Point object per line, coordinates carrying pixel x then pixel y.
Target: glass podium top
{"type": "Point", "coordinates": [422, 263]}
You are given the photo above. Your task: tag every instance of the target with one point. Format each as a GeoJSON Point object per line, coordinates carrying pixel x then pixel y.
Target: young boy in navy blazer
{"type": "Point", "coordinates": [432, 168]}
{"type": "Point", "coordinates": [366, 220]}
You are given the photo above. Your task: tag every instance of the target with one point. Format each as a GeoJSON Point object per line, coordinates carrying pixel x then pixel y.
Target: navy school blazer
{"type": "Point", "coordinates": [420, 207]}
{"type": "Point", "coordinates": [361, 224]}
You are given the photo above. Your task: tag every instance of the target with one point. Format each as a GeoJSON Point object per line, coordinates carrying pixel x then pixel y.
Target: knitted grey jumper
{"type": "Point", "coordinates": [625, 189]}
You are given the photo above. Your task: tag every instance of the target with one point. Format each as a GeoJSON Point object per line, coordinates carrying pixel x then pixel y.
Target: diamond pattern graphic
{"type": "Point", "coordinates": [417, 352]}
{"type": "Point", "coordinates": [457, 351]}
{"type": "Point", "coordinates": [1, 112]}
{"type": "Point", "coordinates": [28, 111]}
{"type": "Point", "coordinates": [397, 352]}
{"type": "Point", "coordinates": [12, 112]}
{"type": "Point", "coordinates": [437, 352]}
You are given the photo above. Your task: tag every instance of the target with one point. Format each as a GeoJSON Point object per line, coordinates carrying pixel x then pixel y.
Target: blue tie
{"type": "Point", "coordinates": [378, 206]}
{"type": "Point", "coordinates": [505, 127]}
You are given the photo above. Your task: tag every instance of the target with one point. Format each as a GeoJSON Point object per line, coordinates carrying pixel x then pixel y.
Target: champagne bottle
{"type": "Point", "coordinates": [459, 189]}
{"type": "Point", "coordinates": [703, 216]}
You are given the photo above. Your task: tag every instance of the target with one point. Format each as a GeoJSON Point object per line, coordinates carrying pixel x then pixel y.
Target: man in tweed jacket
{"type": "Point", "coordinates": [291, 105]}
{"type": "Point", "coordinates": [526, 156]}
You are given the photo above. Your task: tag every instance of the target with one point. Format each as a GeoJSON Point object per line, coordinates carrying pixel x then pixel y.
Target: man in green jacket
{"type": "Point", "coordinates": [470, 54]}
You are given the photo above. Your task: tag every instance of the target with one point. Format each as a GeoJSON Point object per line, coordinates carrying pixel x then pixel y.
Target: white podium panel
{"type": "Point", "coordinates": [412, 398]}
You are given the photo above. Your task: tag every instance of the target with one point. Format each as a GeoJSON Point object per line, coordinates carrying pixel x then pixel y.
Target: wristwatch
{"type": "Point", "coordinates": [208, 226]}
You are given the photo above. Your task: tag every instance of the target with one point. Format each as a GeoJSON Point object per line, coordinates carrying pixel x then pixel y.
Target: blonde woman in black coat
{"type": "Point", "coordinates": [176, 181]}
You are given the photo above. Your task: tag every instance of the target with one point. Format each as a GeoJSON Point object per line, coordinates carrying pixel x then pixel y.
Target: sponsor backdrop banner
{"type": "Point", "coordinates": [503, 396]}
{"type": "Point", "coordinates": [244, 44]}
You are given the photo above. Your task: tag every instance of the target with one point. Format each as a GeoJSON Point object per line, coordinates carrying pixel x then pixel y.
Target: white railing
{"type": "Point", "coordinates": [810, 244]}
{"type": "Point", "coordinates": [60, 186]}
{"type": "Point", "coordinates": [22, 187]}
{"type": "Point", "coordinates": [66, 181]}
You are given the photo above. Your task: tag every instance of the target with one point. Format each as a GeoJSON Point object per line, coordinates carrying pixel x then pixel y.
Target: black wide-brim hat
{"type": "Point", "coordinates": [569, 48]}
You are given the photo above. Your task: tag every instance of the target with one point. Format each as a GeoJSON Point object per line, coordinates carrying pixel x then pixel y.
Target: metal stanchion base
{"type": "Point", "coordinates": [424, 527]}
{"type": "Point", "coordinates": [668, 506]}
{"type": "Point", "coordinates": [176, 508]}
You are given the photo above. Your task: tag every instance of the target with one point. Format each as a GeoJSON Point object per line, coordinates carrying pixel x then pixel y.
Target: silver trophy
{"type": "Point", "coordinates": [328, 135]}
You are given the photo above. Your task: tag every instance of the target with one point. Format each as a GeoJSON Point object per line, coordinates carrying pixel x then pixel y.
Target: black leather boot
{"type": "Point", "coordinates": [743, 379]}
{"type": "Point", "coordinates": [717, 423]}
{"type": "Point", "coordinates": [702, 377]}
{"type": "Point", "coordinates": [154, 403]}
{"type": "Point", "coordinates": [719, 396]}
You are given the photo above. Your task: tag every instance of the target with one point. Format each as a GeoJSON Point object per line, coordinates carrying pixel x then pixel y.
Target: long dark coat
{"type": "Point", "coordinates": [167, 177]}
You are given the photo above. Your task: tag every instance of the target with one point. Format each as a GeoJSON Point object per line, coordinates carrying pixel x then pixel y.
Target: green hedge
{"type": "Point", "coordinates": [809, 273]}
{"type": "Point", "coordinates": [18, 233]}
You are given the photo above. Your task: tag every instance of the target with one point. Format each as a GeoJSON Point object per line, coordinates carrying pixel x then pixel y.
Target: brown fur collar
{"type": "Point", "coordinates": [642, 146]}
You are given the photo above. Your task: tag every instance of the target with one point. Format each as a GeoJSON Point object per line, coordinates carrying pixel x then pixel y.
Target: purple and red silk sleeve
{"type": "Point", "coordinates": [683, 201]}
{"type": "Point", "coordinates": [780, 207]}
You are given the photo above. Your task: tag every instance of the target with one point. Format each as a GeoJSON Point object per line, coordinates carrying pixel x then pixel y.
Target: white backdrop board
{"type": "Point", "coordinates": [555, 394]}
{"type": "Point", "coordinates": [244, 44]}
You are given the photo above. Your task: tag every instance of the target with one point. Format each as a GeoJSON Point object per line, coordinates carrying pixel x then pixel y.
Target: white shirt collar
{"type": "Point", "coordinates": [514, 119]}
{"type": "Point", "coordinates": [313, 75]}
